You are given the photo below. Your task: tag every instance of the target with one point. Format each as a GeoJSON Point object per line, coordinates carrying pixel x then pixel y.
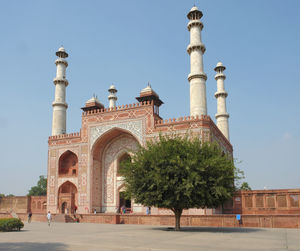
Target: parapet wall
{"type": "Point", "coordinates": [268, 202]}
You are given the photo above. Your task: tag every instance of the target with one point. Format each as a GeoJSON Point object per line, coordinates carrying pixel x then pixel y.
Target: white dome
{"type": "Point", "coordinates": [194, 8]}
{"type": "Point", "coordinates": [62, 49]}
{"type": "Point", "coordinates": [219, 64]}
{"type": "Point", "coordinates": [93, 99]}
{"type": "Point", "coordinates": [147, 89]}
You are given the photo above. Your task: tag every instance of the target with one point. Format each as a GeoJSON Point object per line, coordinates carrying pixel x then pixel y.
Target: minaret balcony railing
{"type": "Point", "coordinates": [193, 47]}
{"type": "Point", "coordinates": [221, 93]}
{"type": "Point", "coordinates": [60, 81]}
{"type": "Point", "coordinates": [57, 103]}
{"type": "Point", "coordinates": [61, 61]}
{"type": "Point", "coordinates": [218, 115]}
{"type": "Point", "coordinates": [194, 23]}
{"type": "Point", "coordinates": [197, 75]}
{"type": "Point", "coordinates": [220, 75]}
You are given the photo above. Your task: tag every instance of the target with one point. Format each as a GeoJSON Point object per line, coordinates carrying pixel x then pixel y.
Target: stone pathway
{"type": "Point", "coordinates": [84, 236]}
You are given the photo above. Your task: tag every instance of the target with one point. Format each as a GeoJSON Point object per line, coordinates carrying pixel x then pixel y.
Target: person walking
{"type": "Point", "coordinates": [29, 216]}
{"type": "Point", "coordinates": [49, 218]}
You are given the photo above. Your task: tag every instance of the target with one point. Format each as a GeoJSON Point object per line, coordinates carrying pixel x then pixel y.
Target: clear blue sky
{"type": "Point", "coordinates": [129, 43]}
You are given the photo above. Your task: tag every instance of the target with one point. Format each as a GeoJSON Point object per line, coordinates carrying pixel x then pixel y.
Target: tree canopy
{"type": "Point", "coordinates": [40, 188]}
{"type": "Point", "coordinates": [179, 173]}
{"type": "Point", "coordinates": [245, 187]}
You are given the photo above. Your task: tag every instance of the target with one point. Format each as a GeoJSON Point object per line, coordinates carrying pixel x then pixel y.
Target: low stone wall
{"type": "Point", "coordinates": [257, 221]}
{"type": "Point", "coordinates": [99, 218]}
{"type": "Point", "coordinates": [34, 218]}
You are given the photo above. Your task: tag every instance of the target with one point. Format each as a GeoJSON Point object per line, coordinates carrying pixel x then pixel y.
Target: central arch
{"type": "Point", "coordinates": [106, 154]}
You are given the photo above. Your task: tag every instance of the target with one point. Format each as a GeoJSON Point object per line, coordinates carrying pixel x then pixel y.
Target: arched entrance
{"type": "Point", "coordinates": [124, 203]}
{"type": "Point", "coordinates": [64, 207]}
{"type": "Point", "coordinates": [67, 198]}
{"type": "Point", "coordinates": [108, 151]}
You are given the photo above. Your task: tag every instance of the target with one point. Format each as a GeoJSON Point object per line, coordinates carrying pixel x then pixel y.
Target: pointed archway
{"type": "Point", "coordinates": [67, 198]}
{"type": "Point", "coordinates": [115, 145]}
{"type": "Point", "coordinates": [68, 164]}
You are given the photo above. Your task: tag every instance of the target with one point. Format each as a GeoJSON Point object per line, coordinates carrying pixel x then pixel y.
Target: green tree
{"type": "Point", "coordinates": [245, 187]}
{"type": "Point", "coordinates": [2, 195]}
{"type": "Point", "coordinates": [40, 188]}
{"type": "Point", "coordinates": [179, 173]}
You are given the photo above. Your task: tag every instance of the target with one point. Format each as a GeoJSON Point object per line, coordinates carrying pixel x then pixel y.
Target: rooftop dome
{"type": "Point", "coordinates": [93, 100]}
{"type": "Point", "coordinates": [149, 90]}
{"type": "Point", "coordinates": [92, 104]}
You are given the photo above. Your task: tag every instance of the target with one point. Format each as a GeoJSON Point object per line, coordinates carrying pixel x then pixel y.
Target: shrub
{"type": "Point", "coordinates": [10, 224]}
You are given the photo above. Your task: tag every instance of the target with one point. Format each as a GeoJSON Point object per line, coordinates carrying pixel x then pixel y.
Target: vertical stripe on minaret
{"type": "Point", "coordinates": [59, 104]}
{"type": "Point", "coordinates": [222, 115]}
{"type": "Point", "coordinates": [197, 77]}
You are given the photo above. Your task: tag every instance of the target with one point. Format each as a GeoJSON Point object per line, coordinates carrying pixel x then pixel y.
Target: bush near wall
{"type": "Point", "coordinates": [10, 224]}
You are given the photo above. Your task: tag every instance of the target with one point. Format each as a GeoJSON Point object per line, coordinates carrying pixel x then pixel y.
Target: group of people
{"type": "Point", "coordinates": [122, 211]}
{"type": "Point", "coordinates": [49, 217]}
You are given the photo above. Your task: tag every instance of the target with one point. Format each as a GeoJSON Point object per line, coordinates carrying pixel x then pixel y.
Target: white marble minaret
{"type": "Point", "coordinates": [197, 77]}
{"type": "Point", "coordinates": [112, 97]}
{"type": "Point", "coordinates": [59, 104]}
{"type": "Point", "coordinates": [222, 115]}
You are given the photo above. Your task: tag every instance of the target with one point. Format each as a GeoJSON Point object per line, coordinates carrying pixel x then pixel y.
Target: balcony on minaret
{"type": "Point", "coordinates": [194, 14]}
{"type": "Point", "coordinates": [148, 94]}
{"type": "Point", "coordinates": [93, 104]}
{"type": "Point", "coordinates": [62, 53]}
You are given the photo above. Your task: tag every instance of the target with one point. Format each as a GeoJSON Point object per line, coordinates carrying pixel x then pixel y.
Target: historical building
{"type": "Point", "coordinates": [83, 166]}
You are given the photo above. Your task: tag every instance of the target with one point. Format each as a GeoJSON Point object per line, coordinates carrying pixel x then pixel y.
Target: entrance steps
{"type": "Point", "coordinates": [63, 218]}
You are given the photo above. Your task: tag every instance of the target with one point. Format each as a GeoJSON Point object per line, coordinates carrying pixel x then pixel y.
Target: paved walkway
{"type": "Point", "coordinates": [84, 236]}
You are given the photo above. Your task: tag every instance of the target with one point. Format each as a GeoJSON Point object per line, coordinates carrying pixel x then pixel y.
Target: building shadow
{"type": "Point", "coordinates": [212, 229]}
{"type": "Point", "coordinates": [33, 246]}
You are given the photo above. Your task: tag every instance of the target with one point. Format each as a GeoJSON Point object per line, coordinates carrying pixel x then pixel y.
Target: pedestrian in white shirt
{"type": "Point", "coordinates": [49, 218]}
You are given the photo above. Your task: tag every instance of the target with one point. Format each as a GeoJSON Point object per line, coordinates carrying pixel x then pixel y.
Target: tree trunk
{"type": "Point", "coordinates": [177, 213]}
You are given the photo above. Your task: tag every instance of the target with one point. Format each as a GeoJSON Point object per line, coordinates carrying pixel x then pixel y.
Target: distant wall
{"type": "Point", "coordinates": [17, 204]}
{"type": "Point", "coordinates": [23, 204]}
{"type": "Point", "coordinates": [38, 204]}
{"type": "Point", "coordinates": [266, 202]}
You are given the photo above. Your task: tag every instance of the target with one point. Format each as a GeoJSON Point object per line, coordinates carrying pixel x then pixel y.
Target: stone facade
{"type": "Point", "coordinates": [106, 135]}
